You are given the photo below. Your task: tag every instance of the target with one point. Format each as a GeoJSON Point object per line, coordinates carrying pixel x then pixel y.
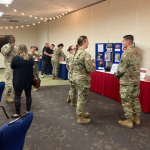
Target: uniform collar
{"type": "Point", "coordinates": [130, 47]}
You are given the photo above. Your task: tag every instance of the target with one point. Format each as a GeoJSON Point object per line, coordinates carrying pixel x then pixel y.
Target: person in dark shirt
{"type": "Point", "coordinates": [22, 65]}
{"type": "Point", "coordinates": [46, 59]}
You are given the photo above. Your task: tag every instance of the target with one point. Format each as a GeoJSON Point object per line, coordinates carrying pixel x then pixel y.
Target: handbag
{"type": "Point", "coordinates": [36, 81]}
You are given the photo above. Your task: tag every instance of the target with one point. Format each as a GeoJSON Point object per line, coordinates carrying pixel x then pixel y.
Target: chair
{"type": "Point", "coordinates": [12, 134]}
{"type": "Point", "coordinates": [2, 86]}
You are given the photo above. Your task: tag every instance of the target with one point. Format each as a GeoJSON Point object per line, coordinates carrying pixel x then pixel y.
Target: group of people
{"type": "Point", "coordinates": [79, 65]}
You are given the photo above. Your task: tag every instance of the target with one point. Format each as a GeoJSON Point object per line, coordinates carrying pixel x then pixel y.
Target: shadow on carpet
{"type": "Point", "coordinates": [54, 126]}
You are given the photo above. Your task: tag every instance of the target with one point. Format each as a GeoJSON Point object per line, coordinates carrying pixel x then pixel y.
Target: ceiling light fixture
{"type": "Point", "coordinates": [22, 26]}
{"type": "Point", "coordinates": [63, 14]}
{"type": "Point", "coordinates": [7, 5]}
{"type": "Point", "coordinates": [50, 18]}
{"type": "Point", "coordinates": [22, 13]}
{"type": "Point", "coordinates": [46, 19]}
{"type": "Point", "coordinates": [4, 19]}
{"type": "Point", "coordinates": [30, 15]}
{"type": "Point", "coordinates": [60, 15]}
{"type": "Point", "coordinates": [34, 24]}
{"type": "Point", "coordinates": [25, 20]}
{"type": "Point", "coordinates": [1, 27]}
{"type": "Point", "coordinates": [41, 18]}
{"type": "Point", "coordinates": [36, 17]}
{"type": "Point", "coordinates": [6, 27]}
{"type": "Point", "coordinates": [1, 13]}
{"type": "Point", "coordinates": [27, 25]}
{"type": "Point", "coordinates": [66, 13]}
{"type": "Point", "coordinates": [39, 22]}
{"type": "Point", "coordinates": [69, 9]}
{"type": "Point", "coordinates": [16, 26]}
{"type": "Point", "coordinates": [15, 10]}
{"type": "Point", "coordinates": [11, 27]}
{"type": "Point", "coordinates": [54, 18]}
{"type": "Point", "coordinates": [6, 1]}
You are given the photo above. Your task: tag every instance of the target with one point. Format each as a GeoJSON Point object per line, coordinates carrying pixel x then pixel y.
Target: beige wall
{"type": "Point", "coordinates": [105, 22]}
{"type": "Point", "coordinates": [26, 35]}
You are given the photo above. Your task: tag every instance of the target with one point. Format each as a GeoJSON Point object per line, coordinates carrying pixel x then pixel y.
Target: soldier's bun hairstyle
{"type": "Point", "coordinates": [69, 49]}
{"type": "Point", "coordinates": [80, 41]}
{"type": "Point", "coordinates": [61, 44]}
{"type": "Point", "coordinates": [129, 37]}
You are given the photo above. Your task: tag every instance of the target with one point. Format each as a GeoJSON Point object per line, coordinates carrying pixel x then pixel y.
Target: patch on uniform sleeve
{"type": "Point", "coordinates": [121, 61]}
{"type": "Point", "coordinates": [88, 58]}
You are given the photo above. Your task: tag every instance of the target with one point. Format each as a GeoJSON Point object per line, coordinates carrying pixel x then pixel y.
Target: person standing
{"type": "Point", "coordinates": [56, 58]}
{"type": "Point", "coordinates": [22, 64]}
{"type": "Point", "coordinates": [46, 59]}
{"type": "Point", "coordinates": [128, 73]}
{"type": "Point", "coordinates": [35, 67]}
{"type": "Point", "coordinates": [72, 92]}
{"type": "Point", "coordinates": [82, 66]}
{"type": "Point", "coordinates": [9, 51]}
{"type": "Point", "coordinates": [52, 46]}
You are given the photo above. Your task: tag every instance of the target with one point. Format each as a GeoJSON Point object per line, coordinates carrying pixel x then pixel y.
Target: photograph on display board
{"type": "Point", "coordinates": [108, 66]}
{"type": "Point", "coordinates": [101, 65]}
{"type": "Point", "coordinates": [99, 56]}
{"type": "Point", "coordinates": [117, 47]}
{"type": "Point", "coordinates": [117, 57]}
{"type": "Point", "coordinates": [107, 56]}
{"type": "Point", "coordinates": [108, 47]}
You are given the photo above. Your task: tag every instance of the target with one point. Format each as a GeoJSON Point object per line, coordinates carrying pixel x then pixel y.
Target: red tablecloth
{"type": "Point", "coordinates": [106, 84]}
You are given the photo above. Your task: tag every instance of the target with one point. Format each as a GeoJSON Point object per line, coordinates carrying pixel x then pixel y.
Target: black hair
{"type": "Point", "coordinates": [69, 49]}
{"type": "Point", "coordinates": [10, 37]}
{"type": "Point", "coordinates": [129, 37]}
{"type": "Point", "coordinates": [60, 45]}
{"type": "Point", "coordinates": [53, 45]}
{"type": "Point", "coordinates": [80, 41]}
{"type": "Point", "coordinates": [33, 47]}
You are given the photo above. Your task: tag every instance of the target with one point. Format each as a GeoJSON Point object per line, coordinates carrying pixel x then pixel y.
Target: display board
{"type": "Point", "coordinates": [104, 56]}
{"type": "Point", "coordinates": [117, 52]}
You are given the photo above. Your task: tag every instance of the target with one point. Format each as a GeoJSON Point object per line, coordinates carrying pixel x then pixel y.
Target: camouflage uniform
{"type": "Point", "coordinates": [82, 66]}
{"type": "Point", "coordinates": [35, 67]}
{"type": "Point", "coordinates": [55, 60]}
{"type": "Point", "coordinates": [8, 54]}
{"type": "Point", "coordinates": [129, 75]}
{"type": "Point", "coordinates": [72, 92]}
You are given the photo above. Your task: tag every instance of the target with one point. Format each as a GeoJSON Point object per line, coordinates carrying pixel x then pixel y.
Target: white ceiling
{"type": "Point", "coordinates": [40, 8]}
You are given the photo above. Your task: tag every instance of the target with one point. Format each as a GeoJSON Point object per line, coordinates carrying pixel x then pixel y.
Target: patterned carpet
{"type": "Point", "coordinates": [55, 128]}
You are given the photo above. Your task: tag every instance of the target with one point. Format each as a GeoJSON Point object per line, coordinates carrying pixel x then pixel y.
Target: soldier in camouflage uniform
{"type": "Point", "coordinates": [9, 51]}
{"type": "Point", "coordinates": [72, 92]}
{"type": "Point", "coordinates": [128, 73]}
{"type": "Point", "coordinates": [36, 61]}
{"type": "Point", "coordinates": [55, 60]}
{"type": "Point", "coordinates": [82, 66]}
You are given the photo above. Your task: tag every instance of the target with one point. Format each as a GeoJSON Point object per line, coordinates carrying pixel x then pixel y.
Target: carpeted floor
{"type": "Point", "coordinates": [55, 128]}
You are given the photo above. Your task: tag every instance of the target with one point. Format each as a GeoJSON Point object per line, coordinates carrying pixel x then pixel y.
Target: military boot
{"type": "Point", "coordinates": [82, 120]}
{"type": "Point", "coordinates": [136, 119]}
{"type": "Point", "coordinates": [73, 103]}
{"type": "Point", "coordinates": [9, 99]}
{"type": "Point", "coordinates": [86, 114]}
{"type": "Point", "coordinates": [34, 88]}
{"type": "Point", "coordinates": [127, 123]}
{"type": "Point", "coordinates": [68, 99]}
{"type": "Point", "coordinates": [53, 77]}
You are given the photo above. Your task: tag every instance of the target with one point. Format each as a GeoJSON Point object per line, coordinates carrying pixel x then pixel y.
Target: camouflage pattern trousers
{"type": "Point", "coordinates": [82, 88]}
{"type": "Point", "coordinates": [55, 65]}
{"type": "Point", "coordinates": [129, 98]}
{"type": "Point", "coordinates": [36, 70]}
{"type": "Point", "coordinates": [72, 92]}
{"type": "Point", "coordinates": [9, 77]}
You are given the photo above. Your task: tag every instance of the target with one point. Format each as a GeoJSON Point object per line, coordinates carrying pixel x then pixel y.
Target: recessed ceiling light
{"type": "Point", "coordinates": [1, 13]}
{"type": "Point", "coordinates": [22, 26]}
{"type": "Point", "coordinates": [7, 5]}
{"type": "Point", "coordinates": [69, 9]}
{"type": "Point", "coordinates": [1, 27]}
{"type": "Point", "coordinates": [39, 22]}
{"type": "Point", "coordinates": [4, 19]}
{"type": "Point", "coordinates": [27, 25]}
{"type": "Point", "coordinates": [66, 12]}
{"type": "Point", "coordinates": [6, 1]}
{"type": "Point", "coordinates": [22, 13]}
{"type": "Point", "coordinates": [15, 10]}
{"type": "Point", "coordinates": [25, 20]}
{"type": "Point", "coordinates": [30, 15]}
{"type": "Point", "coordinates": [16, 26]}
{"type": "Point", "coordinates": [41, 18]}
{"type": "Point", "coordinates": [34, 24]}
{"type": "Point", "coordinates": [35, 17]}
{"type": "Point", "coordinates": [63, 14]}
{"type": "Point", "coordinates": [11, 27]}
{"type": "Point", "coordinates": [6, 27]}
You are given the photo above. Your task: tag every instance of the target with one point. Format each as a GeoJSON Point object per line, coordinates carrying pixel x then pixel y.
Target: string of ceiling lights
{"type": "Point", "coordinates": [36, 17]}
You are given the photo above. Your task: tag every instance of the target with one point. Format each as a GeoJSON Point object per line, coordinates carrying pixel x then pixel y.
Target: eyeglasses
{"type": "Point", "coordinates": [73, 49]}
